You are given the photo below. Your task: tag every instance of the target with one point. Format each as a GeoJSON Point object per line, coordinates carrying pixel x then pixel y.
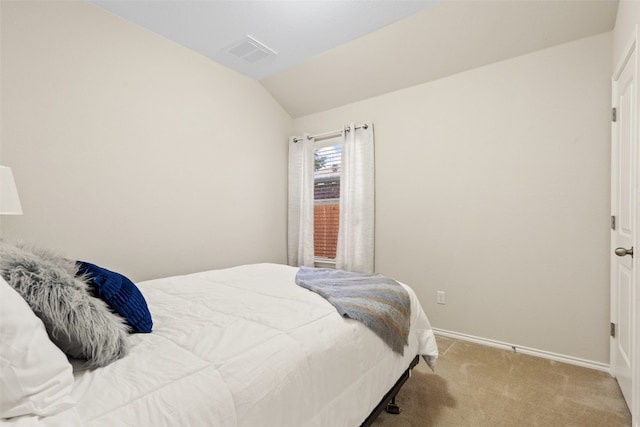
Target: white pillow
{"type": "Point", "coordinates": [35, 376]}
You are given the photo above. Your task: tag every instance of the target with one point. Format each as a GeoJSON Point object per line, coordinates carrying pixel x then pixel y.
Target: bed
{"type": "Point", "coordinates": [243, 346]}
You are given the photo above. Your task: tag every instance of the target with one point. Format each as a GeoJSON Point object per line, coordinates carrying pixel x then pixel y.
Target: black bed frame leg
{"type": "Point", "coordinates": [392, 407]}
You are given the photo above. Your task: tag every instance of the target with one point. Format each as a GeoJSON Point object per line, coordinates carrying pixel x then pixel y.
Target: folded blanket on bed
{"type": "Point", "coordinates": [382, 304]}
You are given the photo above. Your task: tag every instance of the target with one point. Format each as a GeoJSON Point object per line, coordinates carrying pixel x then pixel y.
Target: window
{"type": "Point", "coordinates": [326, 198]}
{"type": "Point", "coordinates": [330, 216]}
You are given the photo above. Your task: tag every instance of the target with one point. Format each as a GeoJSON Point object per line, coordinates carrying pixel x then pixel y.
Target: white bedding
{"type": "Point", "coordinates": [244, 346]}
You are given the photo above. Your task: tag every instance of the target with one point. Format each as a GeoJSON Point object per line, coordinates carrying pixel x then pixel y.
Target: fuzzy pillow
{"type": "Point", "coordinates": [120, 293]}
{"type": "Point", "coordinates": [81, 325]}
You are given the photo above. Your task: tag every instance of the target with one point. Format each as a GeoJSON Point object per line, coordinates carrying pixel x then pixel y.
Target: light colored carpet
{"type": "Point", "coordinates": [476, 385]}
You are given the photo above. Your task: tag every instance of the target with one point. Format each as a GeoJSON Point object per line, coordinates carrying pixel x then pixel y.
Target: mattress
{"type": "Point", "coordinates": [243, 346]}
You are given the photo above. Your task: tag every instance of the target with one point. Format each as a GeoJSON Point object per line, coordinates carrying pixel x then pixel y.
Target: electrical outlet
{"type": "Point", "coordinates": [440, 297]}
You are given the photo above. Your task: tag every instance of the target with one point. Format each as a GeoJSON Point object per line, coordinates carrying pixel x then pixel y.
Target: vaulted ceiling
{"type": "Point", "coordinates": [315, 55]}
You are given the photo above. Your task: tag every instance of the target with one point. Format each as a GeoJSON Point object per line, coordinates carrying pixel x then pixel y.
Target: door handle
{"type": "Point", "coordinates": [623, 251]}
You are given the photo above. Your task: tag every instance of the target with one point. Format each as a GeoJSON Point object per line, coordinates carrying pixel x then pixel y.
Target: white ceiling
{"type": "Point", "coordinates": [334, 52]}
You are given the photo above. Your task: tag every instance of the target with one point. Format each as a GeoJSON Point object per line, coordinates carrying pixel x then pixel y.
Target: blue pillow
{"type": "Point", "coordinates": [120, 293]}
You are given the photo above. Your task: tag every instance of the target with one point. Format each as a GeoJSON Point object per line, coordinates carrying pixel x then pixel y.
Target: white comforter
{"type": "Point", "coordinates": [244, 346]}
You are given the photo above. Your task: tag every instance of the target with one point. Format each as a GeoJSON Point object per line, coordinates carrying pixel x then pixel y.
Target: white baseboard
{"type": "Point", "coordinates": [526, 350]}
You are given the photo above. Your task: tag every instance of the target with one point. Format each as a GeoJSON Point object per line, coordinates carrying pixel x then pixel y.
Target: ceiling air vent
{"type": "Point", "coordinates": [250, 50]}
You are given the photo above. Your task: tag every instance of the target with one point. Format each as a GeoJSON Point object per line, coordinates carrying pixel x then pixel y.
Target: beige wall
{"type": "Point", "coordinates": [134, 152]}
{"type": "Point", "coordinates": [493, 186]}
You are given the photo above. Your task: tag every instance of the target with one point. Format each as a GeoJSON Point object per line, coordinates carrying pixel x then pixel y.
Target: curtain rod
{"type": "Point", "coordinates": [332, 133]}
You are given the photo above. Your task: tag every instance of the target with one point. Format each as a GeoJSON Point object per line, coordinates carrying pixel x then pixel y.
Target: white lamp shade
{"type": "Point", "coordinates": [9, 200]}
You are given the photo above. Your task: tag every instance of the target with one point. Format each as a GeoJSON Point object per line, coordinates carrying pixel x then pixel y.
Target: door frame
{"type": "Point", "coordinates": [630, 48]}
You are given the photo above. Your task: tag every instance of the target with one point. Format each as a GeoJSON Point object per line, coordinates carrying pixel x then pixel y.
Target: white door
{"type": "Point", "coordinates": [624, 192]}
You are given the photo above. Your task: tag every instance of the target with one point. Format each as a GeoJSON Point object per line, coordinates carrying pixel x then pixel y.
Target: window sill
{"type": "Point", "coordinates": [324, 263]}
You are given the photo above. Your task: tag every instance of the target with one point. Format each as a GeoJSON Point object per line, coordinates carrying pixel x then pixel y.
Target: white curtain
{"type": "Point", "coordinates": [300, 221]}
{"type": "Point", "coordinates": [357, 204]}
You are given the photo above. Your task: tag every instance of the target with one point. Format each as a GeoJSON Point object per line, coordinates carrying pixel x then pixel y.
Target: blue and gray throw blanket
{"type": "Point", "coordinates": [382, 304]}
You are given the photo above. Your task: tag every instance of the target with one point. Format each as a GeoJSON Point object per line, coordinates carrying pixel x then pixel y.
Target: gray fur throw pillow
{"type": "Point", "coordinates": [82, 326]}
